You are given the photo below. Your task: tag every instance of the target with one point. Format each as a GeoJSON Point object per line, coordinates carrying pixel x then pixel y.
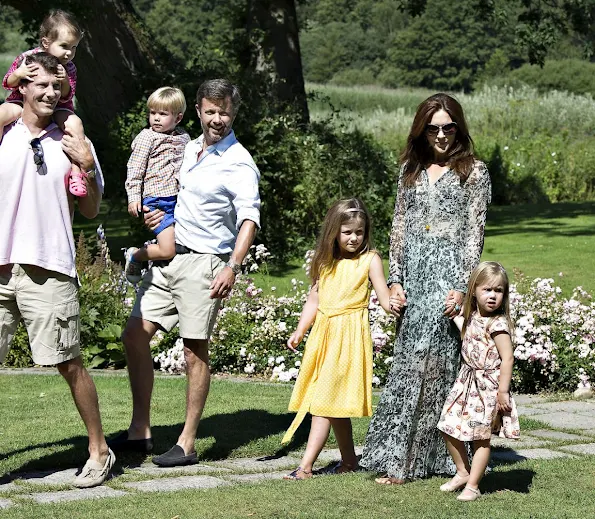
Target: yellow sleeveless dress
{"type": "Point", "coordinates": [335, 377]}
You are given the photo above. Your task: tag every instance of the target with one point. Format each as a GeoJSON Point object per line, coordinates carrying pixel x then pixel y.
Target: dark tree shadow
{"type": "Point", "coordinates": [515, 480]}
{"type": "Point", "coordinates": [230, 431]}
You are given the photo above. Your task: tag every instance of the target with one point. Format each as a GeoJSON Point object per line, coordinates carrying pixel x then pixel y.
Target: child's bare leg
{"type": "Point", "coordinates": [164, 249]}
{"type": "Point", "coordinates": [481, 458]}
{"type": "Point", "coordinates": [344, 435]}
{"type": "Point", "coordinates": [456, 449]}
{"type": "Point", "coordinates": [71, 124]}
{"type": "Point", "coordinates": [319, 431]}
{"type": "Point", "coordinates": [9, 112]}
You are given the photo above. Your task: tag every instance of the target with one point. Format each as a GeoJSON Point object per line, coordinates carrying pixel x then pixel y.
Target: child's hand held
{"type": "Point", "coordinates": [26, 71]}
{"type": "Point", "coordinates": [294, 341]}
{"type": "Point", "coordinates": [134, 209]}
{"type": "Point", "coordinates": [504, 401]}
{"type": "Point", "coordinates": [61, 73]}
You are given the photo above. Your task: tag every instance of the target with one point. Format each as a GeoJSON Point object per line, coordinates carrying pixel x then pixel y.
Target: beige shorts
{"type": "Point", "coordinates": [49, 306]}
{"type": "Point", "coordinates": [179, 293]}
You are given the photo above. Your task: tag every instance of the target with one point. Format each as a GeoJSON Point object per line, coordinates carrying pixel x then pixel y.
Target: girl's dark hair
{"type": "Point", "coordinates": [327, 248]}
{"type": "Point", "coordinates": [418, 153]}
{"type": "Point", "coordinates": [57, 20]}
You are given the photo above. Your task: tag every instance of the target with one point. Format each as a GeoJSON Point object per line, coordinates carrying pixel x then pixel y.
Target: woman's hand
{"type": "Point", "coordinates": [294, 341]}
{"type": "Point", "coordinates": [504, 401]}
{"type": "Point", "coordinates": [453, 303]}
{"type": "Point", "coordinates": [398, 299]}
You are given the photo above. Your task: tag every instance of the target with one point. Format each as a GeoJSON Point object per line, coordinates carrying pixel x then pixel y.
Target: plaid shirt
{"type": "Point", "coordinates": [155, 163]}
{"type": "Point", "coordinates": [16, 96]}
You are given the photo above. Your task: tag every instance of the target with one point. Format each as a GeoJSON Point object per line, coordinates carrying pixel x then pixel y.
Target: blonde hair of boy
{"type": "Point", "coordinates": [167, 98]}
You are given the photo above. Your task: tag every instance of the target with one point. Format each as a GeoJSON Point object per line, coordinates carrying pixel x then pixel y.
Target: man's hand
{"type": "Point", "coordinates": [135, 209]}
{"type": "Point", "coordinates": [222, 284]}
{"type": "Point", "coordinates": [152, 217]}
{"type": "Point", "coordinates": [25, 71]}
{"type": "Point", "coordinates": [79, 151]}
{"type": "Point", "coordinates": [61, 73]}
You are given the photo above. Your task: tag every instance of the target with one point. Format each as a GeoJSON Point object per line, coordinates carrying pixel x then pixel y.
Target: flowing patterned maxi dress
{"type": "Point", "coordinates": [436, 241]}
{"type": "Point", "coordinates": [335, 377]}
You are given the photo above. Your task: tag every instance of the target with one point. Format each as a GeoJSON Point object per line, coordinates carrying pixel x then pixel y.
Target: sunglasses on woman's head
{"type": "Point", "coordinates": [447, 129]}
{"type": "Point", "coordinates": [37, 151]}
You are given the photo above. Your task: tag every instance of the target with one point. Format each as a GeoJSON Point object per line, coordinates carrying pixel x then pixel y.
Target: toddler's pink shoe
{"type": "Point", "coordinates": [76, 183]}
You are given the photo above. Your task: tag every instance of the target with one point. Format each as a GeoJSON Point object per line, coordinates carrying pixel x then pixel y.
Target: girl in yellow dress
{"type": "Point", "coordinates": [335, 380]}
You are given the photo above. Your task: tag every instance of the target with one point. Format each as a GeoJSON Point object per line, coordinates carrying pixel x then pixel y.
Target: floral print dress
{"type": "Point", "coordinates": [470, 409]}
{"type": "Point", "coordinates": [436, 241]}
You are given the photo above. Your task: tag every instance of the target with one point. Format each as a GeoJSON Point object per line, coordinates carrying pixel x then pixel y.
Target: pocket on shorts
{"type": "Point", "coordinates": [217, 265]}
{"type": "Point", "coordinates": [67, 325]}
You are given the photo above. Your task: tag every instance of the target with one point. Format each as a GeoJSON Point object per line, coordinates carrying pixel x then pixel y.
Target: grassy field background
{"type": "Point", "coordinates": [539, 240]}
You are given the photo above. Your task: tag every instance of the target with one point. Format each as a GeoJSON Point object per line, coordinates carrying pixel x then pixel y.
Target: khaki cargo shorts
{"type": "Point", "coordinates": [48, 304]}
{"type": "Point", "coordinates": [179, 293]}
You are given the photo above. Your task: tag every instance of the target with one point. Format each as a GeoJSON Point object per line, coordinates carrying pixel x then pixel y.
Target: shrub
{"type": "Point", "coordinates": [569, 75]}
{"type": "Point", "coordinates": [553, 336]}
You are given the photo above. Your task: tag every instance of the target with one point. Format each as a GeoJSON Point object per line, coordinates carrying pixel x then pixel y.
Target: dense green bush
{"type": "Point", "coordinates": [570, 75]}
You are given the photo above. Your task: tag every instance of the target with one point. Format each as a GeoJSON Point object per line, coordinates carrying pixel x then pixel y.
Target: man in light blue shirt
{"type": "Point", "coordinates": [217, 215]}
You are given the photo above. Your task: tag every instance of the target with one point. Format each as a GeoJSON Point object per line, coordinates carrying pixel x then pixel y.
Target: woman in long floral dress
{"type": "Point", "coordinates": [436, 241]}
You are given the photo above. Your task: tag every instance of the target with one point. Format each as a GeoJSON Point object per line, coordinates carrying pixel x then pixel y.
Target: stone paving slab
{"type": "Point", "coordinates": [561, 420]}
{"type": "Point", "coordinates": [329, 455]}
{"type": "Point", "coordinates": [58, 477]}
{"type": "Point", "coordinates": [259, 464]}
{"type": "Point", "coordinates": [173, 484]}
{"type": "Point", "coordinates": [555, 435]}
{"type": "Point", "coordinates": [150, 469]}
{"type": "Point", "coordinates": [528, 399]}
{"type": "Point", "coordinates": [257, 477]}
{"type": "Point", "coordinates": [569, 406]}
{"type": "Point", "coordinates": [581, 448]}
{"type": "Point", "coordinates": [9, 487]}
{"type": "Point", "coordinates": [75, 495]}
{"type": "Point", "coordinates": [531, 454]}
{"type": "Point", "coordinates": [526, 442]}
{"type": "Point", "coordinates": [5, 503]}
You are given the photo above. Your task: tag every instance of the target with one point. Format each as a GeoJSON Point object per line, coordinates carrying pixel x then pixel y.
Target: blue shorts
{"type": "Point", "coordinates": [167, 204]}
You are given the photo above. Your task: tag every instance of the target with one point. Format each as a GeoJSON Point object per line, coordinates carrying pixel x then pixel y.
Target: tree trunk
{"type": "Point", "coordinates": [273, 25]}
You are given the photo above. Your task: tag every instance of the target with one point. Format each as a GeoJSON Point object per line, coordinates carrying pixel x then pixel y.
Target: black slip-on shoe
{"type": "Point", "coordinates": [175, 457]}
{"type": "Point", "coordinates": [121, 443]}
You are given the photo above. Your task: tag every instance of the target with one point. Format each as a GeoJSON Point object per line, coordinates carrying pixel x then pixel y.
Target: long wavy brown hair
{"type": "Point", "coordinates": [487, 272]}
{"type": "Point", "coordinates": [327, 251]}
{"type": "Point", "coordinates": [418, 154]}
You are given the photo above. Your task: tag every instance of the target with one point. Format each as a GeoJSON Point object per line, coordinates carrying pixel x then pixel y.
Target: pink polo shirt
{"type": "Point", "coordinates": [36, 209]}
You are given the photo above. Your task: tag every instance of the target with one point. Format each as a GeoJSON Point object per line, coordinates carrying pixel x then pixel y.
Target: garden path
{"type": "Point", "coordinates": [568, 430]}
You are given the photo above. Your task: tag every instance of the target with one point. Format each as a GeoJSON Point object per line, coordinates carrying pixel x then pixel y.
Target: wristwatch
{"type": "Point", "coordinates": [236, 268]}
{"type": "Point", "coordinates": [91, 173]}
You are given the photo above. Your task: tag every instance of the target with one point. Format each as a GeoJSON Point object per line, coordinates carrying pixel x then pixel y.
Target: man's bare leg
{"type": "Point", "coordinates": [84, 394]}
{"type": "Point", "coordinates": [198, 381]}
{"type": "Point", "coordinates": [136, 338]}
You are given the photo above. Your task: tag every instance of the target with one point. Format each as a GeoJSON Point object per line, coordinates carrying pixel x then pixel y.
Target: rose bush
{"type": "Point", "coordinates": [554, 336]}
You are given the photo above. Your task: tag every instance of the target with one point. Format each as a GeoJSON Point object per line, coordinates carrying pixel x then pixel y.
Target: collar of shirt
{"type": "Point", "coordinates": [219, 147]}
{"type": "Point", "coordinates": [48, 129]}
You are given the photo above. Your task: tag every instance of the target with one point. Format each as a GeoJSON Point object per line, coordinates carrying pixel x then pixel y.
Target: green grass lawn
{"type": "Point", "coordinates": [40, 429]}
{"type": "Point", "coordinates": [539, 240]}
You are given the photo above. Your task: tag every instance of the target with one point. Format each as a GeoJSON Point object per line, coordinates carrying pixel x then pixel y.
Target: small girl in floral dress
{"type": "Point", "coordinates": [480, 402]}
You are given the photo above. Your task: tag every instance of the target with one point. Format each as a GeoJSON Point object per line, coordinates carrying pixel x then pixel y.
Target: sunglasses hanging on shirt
{"type": "Point", "coordinates": [38, 157]}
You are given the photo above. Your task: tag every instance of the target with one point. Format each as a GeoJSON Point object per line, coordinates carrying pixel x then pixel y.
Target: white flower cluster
{"type": "Point", "coordinates": [172, 360]}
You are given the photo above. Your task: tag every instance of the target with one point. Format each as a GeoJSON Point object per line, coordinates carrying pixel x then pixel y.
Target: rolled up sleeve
{"type": "Point", "coordinates": [245, 194]}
